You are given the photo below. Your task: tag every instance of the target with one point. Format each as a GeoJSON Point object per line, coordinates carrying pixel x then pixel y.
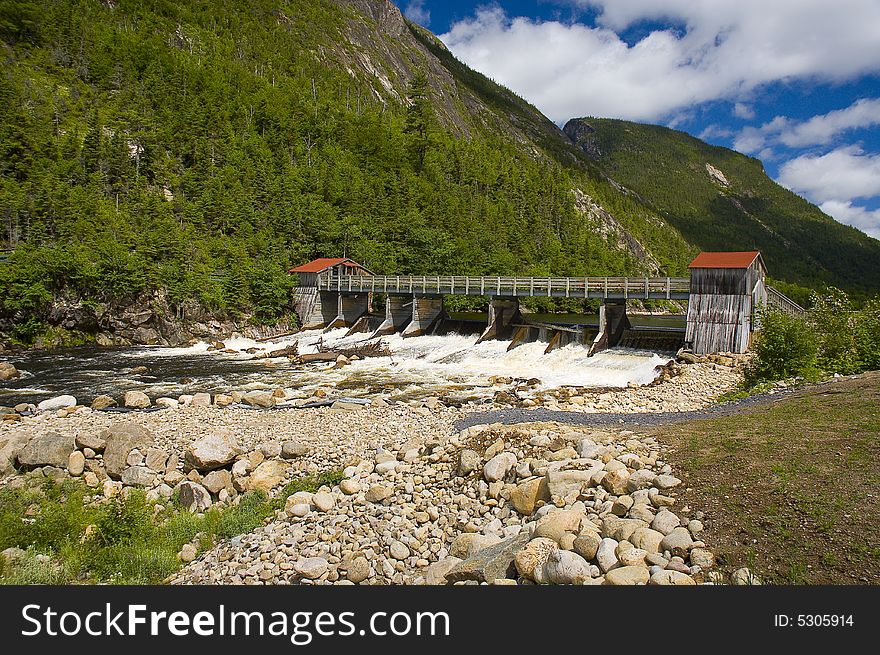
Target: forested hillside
{"type": "Point", "coordinates": [733, 207]}
{"type": "Point", "coordinates": [165, 153]}
{"type": "Point", "coordinates": [203, 147]}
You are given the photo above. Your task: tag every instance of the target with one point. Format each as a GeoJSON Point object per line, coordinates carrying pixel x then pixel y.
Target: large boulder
{"type": "Point", "coordinates": [468, 462]}
{"type": "Point", "coordinates": [530, 560]}
{"type": "Point", "coordinates": [259, 399]}
{"type": "Point", "coordinates": [566, 567]}
{"type": "Point", "coordinates": [138, 476]}
{"type": "Point", "coordinates": [435, 574]}
{"type": "Point", "coordinates": [563, 483]}
{"type": "Point", "coordinates": [47, 449]}
{"type": "Point", "coordinates": [136, 400]}
{"type": "Point", "coordinates": [468, 544]}
{"type": "Point", "coordinates": [528, 493]}
{"type": "Point", "coordinates": [193, 496]}
{"type": "Point", "coordinates": [555, 524]}
{"type": "Point", "coordinates": [120, 439]}
{"type": "Point", "coordinates": [268, 475]}
{"type": "Point", "coordinates": [10, 445]}
{"type": "Point", "coordinates": [212, 451]}
{"type": "Point", "coordinates": [58, 402]}
{"type": "Point", "coordinates": [498, 467]}
{"type": "Point", "coordinates": [8, 372]}
{"type": "Point", "coordinates": [293, 449]}
{"type": "Point", "coordinates": [490, 563]}
{"type": "Point", "coordinates": [103, 402]}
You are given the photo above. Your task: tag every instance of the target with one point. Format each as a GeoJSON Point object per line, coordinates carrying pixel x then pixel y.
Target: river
{"type": "Point", "coordinates": [452, 365]}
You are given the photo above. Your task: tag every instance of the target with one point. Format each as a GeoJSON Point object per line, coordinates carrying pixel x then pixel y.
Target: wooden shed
{"type": "Point", "coordinates": [306, 298]}
{"type": "Point", "coordinates": [726, 289]}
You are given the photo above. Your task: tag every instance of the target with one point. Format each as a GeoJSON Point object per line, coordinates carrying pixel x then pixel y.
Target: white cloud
{"type": "Point", "coordinates": [821, 130]}
{"type": "Point", "coordinates": [726, 50]}
{"type": "Point", "coordinates": [834, 180]}
{"type": "Point", "coordinates": [418, 13]}
{"type": "Point", "coordinates": [715, 131]}
{"type": "Point", "coordinates": [818, 130]}
{"type": "Point", "coordinates": [866, 220]}
{"type": "Point", "coordinates": [742, 110]}
{"type": "Point", "coordinates": [842, 175]}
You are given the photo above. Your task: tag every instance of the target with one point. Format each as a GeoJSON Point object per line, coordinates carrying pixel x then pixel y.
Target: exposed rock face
{"type": "Point", "coordinates": [49, 449]}
{"type": "Point", "coordinates": [583, 135]}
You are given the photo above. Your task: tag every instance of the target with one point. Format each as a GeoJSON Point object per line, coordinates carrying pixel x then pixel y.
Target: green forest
{"type": "Point", "coordinates": [202, 148]}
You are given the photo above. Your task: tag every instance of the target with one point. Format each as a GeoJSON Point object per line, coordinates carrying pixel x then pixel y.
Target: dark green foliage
{"type": "Point", "coordinates": [204, 148]}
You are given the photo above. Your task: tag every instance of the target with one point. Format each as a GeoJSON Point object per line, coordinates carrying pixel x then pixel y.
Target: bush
{"type": "Point", "coordinates": [786, 347]}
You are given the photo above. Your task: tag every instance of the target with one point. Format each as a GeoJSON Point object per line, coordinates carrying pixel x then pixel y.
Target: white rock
{"type": "Point", "coordinates": [498, 467]}
{"type": "Point", "coordinates": [311, 567]}
{"type": "Point", "coordinates": [606, 556]}
{"type": "Point", "coordinates": [566, 567]}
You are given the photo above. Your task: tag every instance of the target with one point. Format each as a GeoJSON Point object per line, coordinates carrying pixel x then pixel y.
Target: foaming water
{"type": "Point", "coordinates": [451, 365]}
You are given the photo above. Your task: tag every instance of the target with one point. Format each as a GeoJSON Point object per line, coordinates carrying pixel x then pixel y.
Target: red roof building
{"type": "Point", "coordinates": [342, 265]}
{"type": "Point", "coordinates": [725, 259]}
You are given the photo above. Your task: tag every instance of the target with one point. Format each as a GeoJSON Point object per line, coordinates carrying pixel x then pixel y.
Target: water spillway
{"type": "Point", "coordinates": [451, 365]}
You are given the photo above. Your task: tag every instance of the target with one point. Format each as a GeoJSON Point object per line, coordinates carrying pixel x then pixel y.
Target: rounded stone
{"type": "Point", "coordinates": [399, 550]}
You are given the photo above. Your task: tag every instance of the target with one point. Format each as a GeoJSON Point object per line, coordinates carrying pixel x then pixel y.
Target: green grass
{"type": "Point", "coordinates": [68, 537]}
{"type": "Point", "coordinates": [790, 484]}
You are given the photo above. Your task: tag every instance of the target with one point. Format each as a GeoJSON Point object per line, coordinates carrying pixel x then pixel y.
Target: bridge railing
{"type": "Point", "coordinates": [568, 287]}
{"type": "Point", "coordinates": [780, 301]}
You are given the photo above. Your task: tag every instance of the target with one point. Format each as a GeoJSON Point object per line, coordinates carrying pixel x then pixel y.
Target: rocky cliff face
{"type": "Point", "coordinates": [583, 135]}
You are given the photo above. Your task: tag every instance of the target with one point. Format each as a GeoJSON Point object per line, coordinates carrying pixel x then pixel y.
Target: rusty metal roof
{"type": "Point", "coordinates": [322, 264]}
{"type": "Point", "coordinates": [725, 259]}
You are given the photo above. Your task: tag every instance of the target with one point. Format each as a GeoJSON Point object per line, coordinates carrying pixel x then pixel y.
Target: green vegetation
{"type": "Point", "coordinates": [801, 246]}
{"type": "Point", "coordinates": [69, 537]}
{"type": "Point", "coordinates": [790, 485]}
{"type": "Point", "coordinates": [833, 337]}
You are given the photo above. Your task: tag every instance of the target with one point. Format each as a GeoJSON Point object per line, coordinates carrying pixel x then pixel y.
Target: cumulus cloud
{"type": "Point", "coordinates": [818, 130]}
{"type": "Point", "coordinates": [725, 50]}
{"type": "Point", "coordinates": [866, 220]}
{"type": "Point", "coordinates": [834, 180]}
{"type": "Point", "coordinates": [418, 13]}
{"type": "Point", "coordinates": [842, 174]}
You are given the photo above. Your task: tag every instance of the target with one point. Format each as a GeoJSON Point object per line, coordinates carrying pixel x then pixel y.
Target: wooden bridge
{"type": "Point", "coordinates": [604, 288]}
{"type": "Point", "coordinates": [723, 292]}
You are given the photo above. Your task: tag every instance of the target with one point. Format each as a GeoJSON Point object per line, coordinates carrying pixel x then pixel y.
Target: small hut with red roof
{"type": "Point", "coordinates": [726, 290]}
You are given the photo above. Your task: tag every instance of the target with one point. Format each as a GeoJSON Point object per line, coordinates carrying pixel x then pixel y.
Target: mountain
{"type": "Point", "coordinates": [169, 160]}
{"type": "Point", "coordinates": [719, 199]}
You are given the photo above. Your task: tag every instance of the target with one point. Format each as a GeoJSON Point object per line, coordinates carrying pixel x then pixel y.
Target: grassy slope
{"type": "Point", "coordinates": [790, 488]}
{"type": "Point", "coordinates": [799, 242]}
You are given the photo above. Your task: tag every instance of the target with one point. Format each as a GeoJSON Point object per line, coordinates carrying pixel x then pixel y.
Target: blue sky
{"type": "Point", "coordinates": [795, 83]}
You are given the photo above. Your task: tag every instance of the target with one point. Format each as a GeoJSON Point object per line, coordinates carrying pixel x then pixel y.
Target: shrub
{"type": "Point", "coordinates": [786, 347]}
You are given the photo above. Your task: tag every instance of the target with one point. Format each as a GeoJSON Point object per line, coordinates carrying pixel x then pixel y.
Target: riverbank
{"type": "Point", "coordinates": [417, 497]}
